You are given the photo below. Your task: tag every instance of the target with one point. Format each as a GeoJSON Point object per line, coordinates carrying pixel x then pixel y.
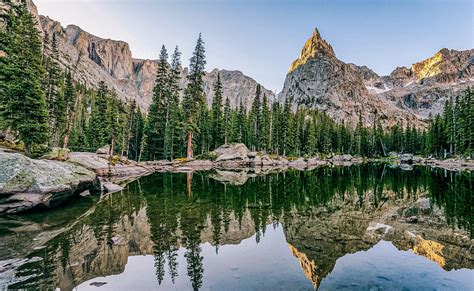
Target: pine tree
{"type": "Point", "coordinates": [255, 120]}
{"type": "Point", "coordinates": [156, 122]}
{"type": "Point", "coordinates": [173, 110]}
{"type": "Point", "coordinates": [266, 124]}
{"type": "Point", "coordinates": [23, 106]}
{"type": "Point", "coordinates": [285, 126]}
{"type": "Point", "coordinates": [194, 93]}
{"type": "Point", "coordinates": [71, 102]}
{"type": "Point", "coordinates": [217, 123]}
{"type": "Point", "coordinates": [241, 124]}
{"type": "Point", "coordinates": [227, 121]}
{"type": "Point", "coordinates": [312, 137]}
{"type": "Point", "coordinates": [275, 131]}
{"type": "Point", "coordinates": [97, 133]}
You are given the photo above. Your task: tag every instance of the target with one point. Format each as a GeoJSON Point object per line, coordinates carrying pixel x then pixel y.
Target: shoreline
{"type": "Point", "coordinates": [24, 187]}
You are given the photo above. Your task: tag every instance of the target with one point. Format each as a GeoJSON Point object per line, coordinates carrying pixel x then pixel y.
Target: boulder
{"type": "Point", "coordinates": [237, 152]}
{"type": "Point", "coordinates": [58, 154]}
{"type": "Point", "coordinates": [121, 170]}
{"type": "Point", "coordinates": [376, 231]}
{"type": "Point", "coordinates": [105, 150]}
{"type": "Point", "coordinates": [406, 159]}
{"type": "Point", "coordinates": [27, 183]}
{"type": "Point", "coordinates": [252, 155]}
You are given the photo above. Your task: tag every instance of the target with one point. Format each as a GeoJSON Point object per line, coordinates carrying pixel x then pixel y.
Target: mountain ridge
{"type": "Point", "coordinates": [316, 79]}
{"type": "Point", "coordinates": [347, 92]}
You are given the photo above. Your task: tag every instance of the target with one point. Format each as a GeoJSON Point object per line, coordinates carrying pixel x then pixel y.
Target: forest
{"type": "Point", "coordinates": [42, 107]}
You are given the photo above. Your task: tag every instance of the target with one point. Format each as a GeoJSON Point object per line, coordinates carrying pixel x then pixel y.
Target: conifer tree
{"type": "Point", "coordinates": [194, 93]}
{"type": "Point", "coordinates": [22, 100]}
{"type": "Point", "coordinates": [217, 123]}
{"type": "Point", "coordinates": [156, 122]}
{"type": "Point", "coordinates": [241, 124]}
{"type": "Point", "coordinates": [255, 120]}
{"type": "Point", "coordinates": [311, 142]}
{"type": "Point", "coordinates": [266, 124]}
{"type": "Point", "coordinates": [276, 137]}
{"type": "Point", "coordinates": [227, 121]}
{"type": "Point", "coordinates": [70, 99]}
{"type": "Point", "coordinates": [97, 133]}
{"type": "Point", "coordinates": [173, 111]}
{"type": "Point", "coordinates": [285, 126]}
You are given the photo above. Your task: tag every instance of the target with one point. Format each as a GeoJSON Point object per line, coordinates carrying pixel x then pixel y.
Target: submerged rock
{"type": "Point", "coordinates": [27, 183]}
{"type": "Point", "coordinates": [111, 187]}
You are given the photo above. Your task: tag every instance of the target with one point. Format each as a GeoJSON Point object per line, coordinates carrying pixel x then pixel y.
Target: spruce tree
{"type": "Point", "coordinates": [156, 122]}
{"type": "Point", "coordinates": [71, 102]}
{"type": "Point", "coordinates": [173, 110]}
{"type": "Point", "coordinates": [227, 121]}
{"type": "Point", "coordinates": [194, 93]}
{"type": "Point", "coordinates": [23, 106]}
{"type": "Point", "coordinates": [285, 126]}
{"type": "Point", "coordinates": [255, 120]}
{"type": "Point", "coordinates": [97, 133]}
{"type": "Point", "coordinates": [266, 124]}
{"type": "Point", "coordinates": [217, 122]}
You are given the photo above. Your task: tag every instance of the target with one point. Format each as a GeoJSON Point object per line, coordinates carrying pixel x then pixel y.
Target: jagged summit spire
{"type": "Point", "coordinates": [314, 45]}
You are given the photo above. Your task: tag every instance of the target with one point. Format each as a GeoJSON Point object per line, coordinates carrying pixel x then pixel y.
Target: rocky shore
{"type": "Point", "coordinates": [27, 183]}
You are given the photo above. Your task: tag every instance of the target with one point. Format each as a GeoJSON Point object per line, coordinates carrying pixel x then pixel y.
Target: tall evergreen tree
{"type": "Point", "coordinates": [22, 100]}
{"type": "Point", "coordinates": [70, 99]}
{"type": "Point", "coordinates": [217, 123]}
{"type": "Point", "coordinates": [227, 121]}
{"type": "Point", "coordinates": [97, 133]}
{"type": "Point", "coordinates": [173, 110]}
{"type": "Point", "coordinates": [265, 133]}
{"type": "Point", "coordinates": [255, 120]}
{"type": "Point", "coordinates": [156, 122]}
{"type": "Point", "coordinates": [194, 93]}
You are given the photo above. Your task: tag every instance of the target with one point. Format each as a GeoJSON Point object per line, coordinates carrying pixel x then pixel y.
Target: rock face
{"type": "Point", "coordinates": [92, 59]}
{"type": "Point", "coordinates": [317, 79]}
{"type": "Point", "coordinates": [26, 183]}
{"type": "Point", "coordinates": [118, 171]}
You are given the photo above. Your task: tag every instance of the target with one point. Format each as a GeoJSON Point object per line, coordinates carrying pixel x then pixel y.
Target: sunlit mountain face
{"type": "Point", "coordinates": [332, 227]}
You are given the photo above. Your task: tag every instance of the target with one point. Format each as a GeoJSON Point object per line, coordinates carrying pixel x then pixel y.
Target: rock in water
{"type": "Point", "coordinates": [406, 159]}
{"type": "Point", "coordinates": [27, 183]}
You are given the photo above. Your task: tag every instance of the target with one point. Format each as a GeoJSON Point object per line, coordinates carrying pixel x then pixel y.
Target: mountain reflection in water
{"type": "Point", "coordinates": [282, 230]}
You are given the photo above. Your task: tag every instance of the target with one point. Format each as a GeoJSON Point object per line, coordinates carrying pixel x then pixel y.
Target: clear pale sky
{"type": "Point", "coordinates": [262, 37]}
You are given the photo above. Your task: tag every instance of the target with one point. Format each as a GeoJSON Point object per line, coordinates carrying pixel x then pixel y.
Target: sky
{"type": "Point", "coordinates": [262, 37]}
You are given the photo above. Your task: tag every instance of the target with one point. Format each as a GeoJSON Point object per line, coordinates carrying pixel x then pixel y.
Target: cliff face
{"type": "Point", "coordinates": [92, 59]}
{"type": "Point", "coordinates": [317, 79]}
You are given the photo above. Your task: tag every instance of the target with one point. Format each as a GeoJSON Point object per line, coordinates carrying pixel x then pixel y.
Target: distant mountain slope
{"type": "Point", "coordinates": [92, 59]}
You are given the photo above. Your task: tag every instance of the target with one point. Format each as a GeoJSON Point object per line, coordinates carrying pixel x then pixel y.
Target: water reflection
{"type": "Point", "coordinates": [323, 215]}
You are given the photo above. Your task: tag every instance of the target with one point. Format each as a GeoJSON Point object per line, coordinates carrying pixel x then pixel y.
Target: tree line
{"type": "Point", "coordinates": [42, 107]}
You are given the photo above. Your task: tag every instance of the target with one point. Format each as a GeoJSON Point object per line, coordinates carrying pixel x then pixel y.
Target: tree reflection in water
{"type": "Point", "coordinates": [164, 212]}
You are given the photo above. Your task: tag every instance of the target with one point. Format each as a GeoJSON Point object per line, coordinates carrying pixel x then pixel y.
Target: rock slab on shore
{"type": "Point", "coordinates": [27, 183]}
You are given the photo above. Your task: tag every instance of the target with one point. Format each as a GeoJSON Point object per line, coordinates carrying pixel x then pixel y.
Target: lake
{"type": "Point", "coordinates": [360, 227]}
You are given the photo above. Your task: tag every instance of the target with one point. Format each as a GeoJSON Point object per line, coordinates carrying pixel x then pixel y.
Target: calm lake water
{"type": "Point", "coordinates": [367, 227]}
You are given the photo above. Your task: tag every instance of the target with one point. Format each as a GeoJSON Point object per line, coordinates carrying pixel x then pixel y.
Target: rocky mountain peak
{"type": "Point", "coordinates": [313, 46]}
